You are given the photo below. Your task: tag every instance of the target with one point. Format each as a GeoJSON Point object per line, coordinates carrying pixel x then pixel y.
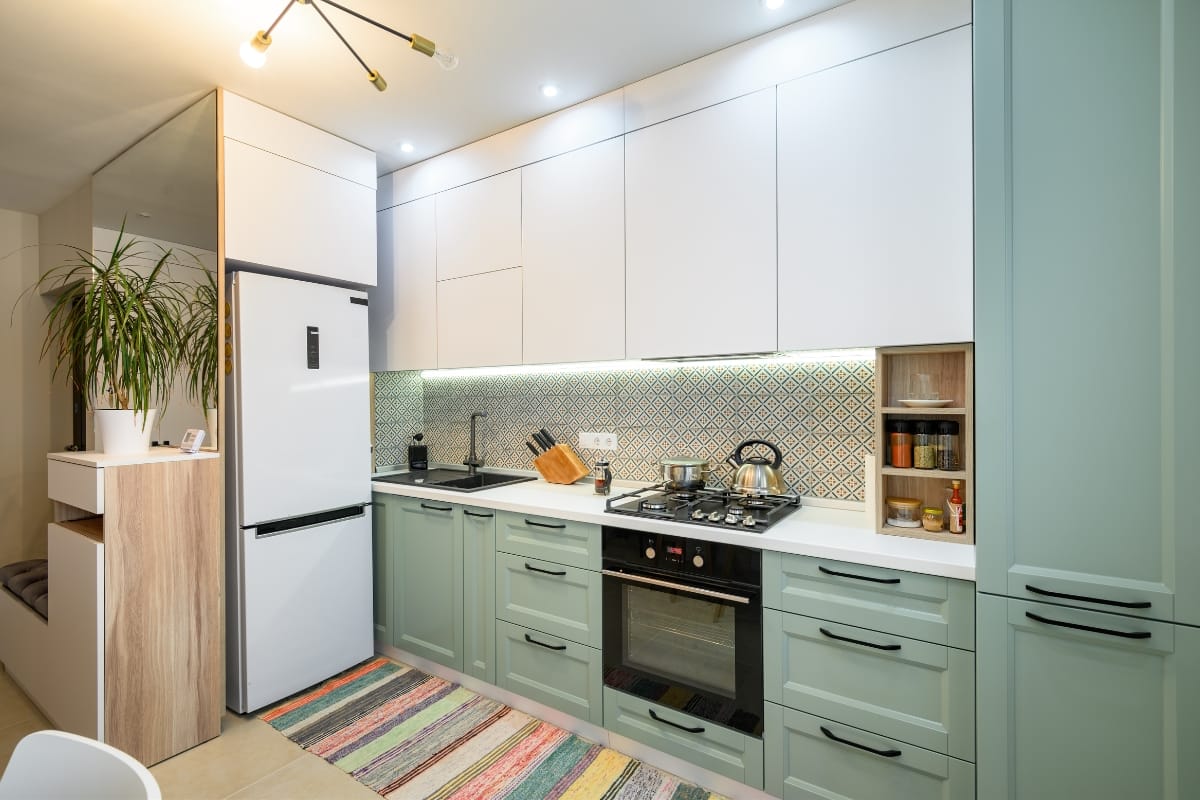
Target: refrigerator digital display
{"type": "Point", "coordinates": [314, 347]}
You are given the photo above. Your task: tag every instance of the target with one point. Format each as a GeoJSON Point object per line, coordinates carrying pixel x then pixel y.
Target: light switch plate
{"type": "Point", "coordinates": [597, 441]}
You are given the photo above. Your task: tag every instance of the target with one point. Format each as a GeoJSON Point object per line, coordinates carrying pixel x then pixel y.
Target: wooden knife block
{"type": "Point", "coordinates": [560, 464]}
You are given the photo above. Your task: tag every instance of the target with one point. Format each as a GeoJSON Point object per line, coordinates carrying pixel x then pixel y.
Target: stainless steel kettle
{"type": "Point", "coordinates": [756, 475]}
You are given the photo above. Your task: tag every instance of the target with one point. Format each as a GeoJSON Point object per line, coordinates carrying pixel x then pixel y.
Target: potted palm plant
{"type": "Point", "coordinates": [200, 348]}
{"type": "Point", "coordinates": [121, 324]}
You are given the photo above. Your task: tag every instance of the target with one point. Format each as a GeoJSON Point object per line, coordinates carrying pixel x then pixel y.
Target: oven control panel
{"type": "Point", "coordinates": [680, 555]}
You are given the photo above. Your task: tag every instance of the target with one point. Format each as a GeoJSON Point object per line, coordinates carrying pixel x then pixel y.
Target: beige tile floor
{"type": "Point", "coordinates": [248, 761]}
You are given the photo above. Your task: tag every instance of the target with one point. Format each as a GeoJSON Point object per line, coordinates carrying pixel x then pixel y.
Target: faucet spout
{"type": "Point", "coordinates": [473, 460]}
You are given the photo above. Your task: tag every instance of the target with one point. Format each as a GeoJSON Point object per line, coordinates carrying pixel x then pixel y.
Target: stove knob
{"type": "Point", "coordinates": [748, 522]}
{"type": "Point", "coordinates": [698, 561]}
{"type": "Point", "coordinates": [716, 516]}
{"type": "Point", "coordinates": [650, 553]}
{"type": "Point", "coordinates": [730, 519]}
{"type": "Point", "coordinates": [698, 514]}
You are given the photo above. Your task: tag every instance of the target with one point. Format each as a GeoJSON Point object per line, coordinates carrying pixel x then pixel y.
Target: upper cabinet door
{"type": "Point", "coordinates": [283, 214]}
{"type": "Point", "coordinates": [403, 307]}
{"type": "Point", "coordinates": [479, 227]}
{"type": "Point", "coordinates": [573, 233]}
{"type": "Point", "coordinates": [875, 225]}
{"type": "Point", "coordinates": [700, 232]}
{"type": "Point", "coordinates": [1087, 283]}
{"type": "Point", "coordinates": [479, 320]}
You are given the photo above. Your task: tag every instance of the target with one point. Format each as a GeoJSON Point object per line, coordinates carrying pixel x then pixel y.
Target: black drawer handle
{"type": "Point", "coordinates": [857, 577]}
{"type": "Point", "coordinates": [1076, 626]}
{"type": "Point", "coordinates": [435, 508]}
{"type": "Point", "coordinates": [858, 641]}
{"type": "Point", "coordinates": [544, 525]}
{"type": "Point", "coordinates": [473, 514]}
{"type": "Point", "coordinates": [683, 728]}
{"type": "Point", "coordinates": [544, 571]}
{"type": "Point", "coordinates": [840, 740]}
{"type": "Point", "coordinates": [1082, 598]}
{"type": "Point", "coordinates": [532, 640]}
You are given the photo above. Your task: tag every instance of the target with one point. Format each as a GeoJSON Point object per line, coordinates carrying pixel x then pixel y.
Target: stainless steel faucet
{"type": "Point", "coordinates": [473, 461]}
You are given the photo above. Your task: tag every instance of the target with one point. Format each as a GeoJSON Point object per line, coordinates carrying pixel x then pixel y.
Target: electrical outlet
{"type": "Point", "coordinates": [597, 441]}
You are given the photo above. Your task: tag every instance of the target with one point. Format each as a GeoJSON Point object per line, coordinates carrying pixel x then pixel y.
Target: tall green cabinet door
{"type": "Point", "coordinates": [1070, 705]}
{"type": "Point", "coordinates": [427, 573]}
{"type": "Point", "coordinates": [1087, 254]}
{"type": "Point", "coordinates": [479, 593]}
{"type": "Point", "coordinates": [383, 513]}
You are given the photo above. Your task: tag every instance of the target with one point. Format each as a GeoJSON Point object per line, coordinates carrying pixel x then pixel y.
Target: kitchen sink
{"type": "Point", "coordinates": [454, 480]}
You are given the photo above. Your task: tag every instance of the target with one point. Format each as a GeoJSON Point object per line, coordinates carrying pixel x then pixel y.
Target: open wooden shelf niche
{"type": "Point", "coordinates": [952, 368]}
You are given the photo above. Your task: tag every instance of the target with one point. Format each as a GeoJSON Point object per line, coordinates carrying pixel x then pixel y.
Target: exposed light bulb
{"type": "Point", "coordinates": [550, 90]}
{"type": "Point", "coordinates": [406, 147]}
{"type": "Point", "coordinates": [445, 60]}
{"type": "Point", "coordinates": [771, 5]}
{"type": "Point", "coordinates": [254, 52]}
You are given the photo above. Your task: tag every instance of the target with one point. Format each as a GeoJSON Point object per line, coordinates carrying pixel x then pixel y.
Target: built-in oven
{"type": "Point", "coordinates": [683, 625]}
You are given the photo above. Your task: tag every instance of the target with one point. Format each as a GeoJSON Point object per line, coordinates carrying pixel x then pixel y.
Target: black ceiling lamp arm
{"type": "Point", "coordinates": [338, 33]}
{"type": "Point", "coordinates": [365, 18]}
{"type": "Point", "coordinates": [286, 9]}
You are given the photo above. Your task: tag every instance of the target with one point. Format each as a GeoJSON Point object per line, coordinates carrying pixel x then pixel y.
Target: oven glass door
{"type": "Point", "coordinates": [693, 649]}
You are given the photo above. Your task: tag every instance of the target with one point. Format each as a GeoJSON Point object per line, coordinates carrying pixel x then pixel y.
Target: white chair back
{"type": "Point", "coordinates": [53, 765]}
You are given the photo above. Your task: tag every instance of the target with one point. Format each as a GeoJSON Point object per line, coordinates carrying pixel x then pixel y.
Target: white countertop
{"type": "Point", "coordinates": [90, 458]}
{"type": "Point", "coordinates": [811, 531]}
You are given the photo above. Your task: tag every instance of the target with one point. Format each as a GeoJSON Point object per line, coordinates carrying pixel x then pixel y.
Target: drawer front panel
{"type": "Point", "coordinates": [906, 689]}
{"type": "Point", "coordinates": [810, 758]}
{"type": "Point", "coordinates": [75, 485]}
{"type": "Point", "coordinates": [553, 671]}
{"type": "Point", "coordinates": [576, 544]}
{"type": "Point", "coordinates": [926, 607]}
{"type": "Point", "coordinates": [559, 600]}
{"type": "Point", "coordinates": [705, 743]}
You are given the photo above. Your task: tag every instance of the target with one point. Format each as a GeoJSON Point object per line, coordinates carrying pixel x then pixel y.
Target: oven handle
{"type": "Point", "coordinates": [625, 576]}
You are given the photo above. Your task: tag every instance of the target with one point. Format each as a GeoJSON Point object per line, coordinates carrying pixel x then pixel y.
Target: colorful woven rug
{"type": "Point", "coordinates": [406, 734]}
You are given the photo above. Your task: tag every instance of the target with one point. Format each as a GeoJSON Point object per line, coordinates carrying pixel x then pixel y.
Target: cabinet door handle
{"type": "Point", "coordinates": [435, 508]}
{"type": "Point", "coordinates": [473, 514]}
{"type": "Point", "coordinates": [543, 525]}
{"type": "Point", "coordinates": [684, 728]}
{"type": "Point", "coordinates": [544, 571]}
{"type": "Point", "coordinates": [859, 641]}
{"type": "Point", "coordinates": [885, 753]}
{"type": "Point", "coordinates": [1085, 599]}
{"type": "Point", "coordinates": [532, 640]}
{"type": "Point", "coordinates": [1078, 627]}
{"type": "Point", "coordinates": [857, 577]}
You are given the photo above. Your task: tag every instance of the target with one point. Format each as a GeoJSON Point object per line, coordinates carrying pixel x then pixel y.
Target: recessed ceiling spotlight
{"type": "Point", "coordinates": [144, 214]}
{"type": "Point", "coordinates": [771, 5]}
{"type": "Point", "coordinates": [549, 90]}
{"type": "Point", "coordinates": [406, 147]}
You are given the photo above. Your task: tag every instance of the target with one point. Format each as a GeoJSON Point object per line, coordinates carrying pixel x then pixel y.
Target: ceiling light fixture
{"type": "Point", "coordinates": [406, 147]}
{"type": "Point", "coordinates": [254, 51]}
{"type": "Point", "coordinates": [549, 90]}
{"type": "Point", "coordinates": [771, 5]}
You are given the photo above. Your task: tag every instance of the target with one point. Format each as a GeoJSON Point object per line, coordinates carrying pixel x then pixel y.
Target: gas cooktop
{"type": "Point", "coordinates": [716, 508]}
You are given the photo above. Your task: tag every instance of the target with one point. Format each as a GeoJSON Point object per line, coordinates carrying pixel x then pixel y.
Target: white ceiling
{"type": "Point", "coordinates": [80, 80]}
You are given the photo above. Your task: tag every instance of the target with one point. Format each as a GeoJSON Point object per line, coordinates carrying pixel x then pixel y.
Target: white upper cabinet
{"type": "Point", "coordinates": [297, 199]}
{"type": "Point", "coordinates": [700, 232]}
{"type": "Point", "coordinates": [479, 320]}
{"type": "Point", "coordinates": [875, 200]}
{"type": "Point", "coordinates": [403, 307]}
{"type": "Point", "coordinates": [479, 227]}
{"type": "Point", "coordinates": [573, 236]}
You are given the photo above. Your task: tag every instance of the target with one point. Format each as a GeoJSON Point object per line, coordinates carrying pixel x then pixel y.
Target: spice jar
{"type": "Point", "coordinates": [903, 512]}
{"type": "Point", "coordinates": [924, 451]}
{"type": "Point", "coordinates": [901, 444]}
{"type": "Point", "coordinates": [931, 519]}
{"type": "Point", "coordinates": [947, 446]}
{"type": "Point", "coordinates": [601, 478]}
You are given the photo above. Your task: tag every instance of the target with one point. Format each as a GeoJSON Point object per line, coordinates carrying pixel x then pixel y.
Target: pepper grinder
{"type": "Point", "coordinates": [601, 478]}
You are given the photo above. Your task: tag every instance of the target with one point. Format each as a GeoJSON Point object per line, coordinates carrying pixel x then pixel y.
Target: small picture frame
{"type": "Point", "coordinates": [192, 440]}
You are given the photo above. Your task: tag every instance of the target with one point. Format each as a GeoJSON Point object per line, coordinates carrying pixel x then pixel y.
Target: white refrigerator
{"type": "Point", "coordinates": [298, 487]}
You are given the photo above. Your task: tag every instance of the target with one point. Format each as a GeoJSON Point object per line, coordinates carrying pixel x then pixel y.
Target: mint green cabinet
{"type": "Point", "coordinates": [555, 672]}
{"type": "Point", "coordinates": [810, 758]}
{"type": "Point", "coordinates": [575, 544]}
{"type": "Point", "coordinates": [1071, 706]}
{"type": "Point", "coordinates": [383, 514]}
{"type": "Point", "coordinates": [427, 578]}
{"type": "Point", "coordinates": [555, 598]}
{"type": "Point", "coordinates": [479, 593]}
{"type": "Point", "coordinates": [1087, 285]}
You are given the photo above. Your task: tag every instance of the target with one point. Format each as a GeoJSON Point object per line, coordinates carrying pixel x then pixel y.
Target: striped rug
{"type": "Point", "coordinates": [406, 734]}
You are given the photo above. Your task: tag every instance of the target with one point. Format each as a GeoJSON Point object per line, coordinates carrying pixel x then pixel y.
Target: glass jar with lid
{"type": "Point", "coordinates": [903, 512]}
{"type": "Point", "coordinates": [947, 446]}
{"type": "Point", "coordinates": [924, 451]}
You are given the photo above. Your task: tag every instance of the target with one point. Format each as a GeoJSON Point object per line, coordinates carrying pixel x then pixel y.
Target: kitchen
{"type": "Point", "coordinates": [957, 190]}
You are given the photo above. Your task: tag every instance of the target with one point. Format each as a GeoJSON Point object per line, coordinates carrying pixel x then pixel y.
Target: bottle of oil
{"type": "Point", "coordinates": [957, 516]}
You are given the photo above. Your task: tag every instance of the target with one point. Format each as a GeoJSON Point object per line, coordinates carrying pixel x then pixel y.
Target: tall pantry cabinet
{"type": "Point", "coordinates": [1087, 277]}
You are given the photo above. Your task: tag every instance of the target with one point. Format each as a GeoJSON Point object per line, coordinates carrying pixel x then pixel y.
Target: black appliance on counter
{"type": "Point", "coordinates": [717, 508]}
{"type": "Point", "coordinates": [683, 625]}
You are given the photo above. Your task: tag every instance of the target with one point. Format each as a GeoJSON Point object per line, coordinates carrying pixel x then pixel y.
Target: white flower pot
{"type": "Point", "coordinates": [210, 420]}
{"type": "Point", "coordinates": [119, 430]}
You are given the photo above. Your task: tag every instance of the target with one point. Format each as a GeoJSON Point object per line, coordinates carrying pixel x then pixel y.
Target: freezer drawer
{"type": "Point", "coordinates": [305, 609]}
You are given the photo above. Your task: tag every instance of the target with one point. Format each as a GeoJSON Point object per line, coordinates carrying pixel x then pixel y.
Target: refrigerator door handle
{"type": "Point", "coordinates": [306, 521]}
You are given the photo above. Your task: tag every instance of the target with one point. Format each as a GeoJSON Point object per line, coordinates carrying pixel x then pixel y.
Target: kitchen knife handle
{"type": "Point", "coordinates": [548, 437]}
{"type": "Point", "coordinates": [532, 449]}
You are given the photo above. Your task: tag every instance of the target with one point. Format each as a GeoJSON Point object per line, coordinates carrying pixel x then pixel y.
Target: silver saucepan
{"type": "Point", "coordinates": [684, 473]}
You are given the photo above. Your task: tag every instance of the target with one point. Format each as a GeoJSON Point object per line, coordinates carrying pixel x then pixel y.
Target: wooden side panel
{"type": "Point", "coordinates": [162, 607]}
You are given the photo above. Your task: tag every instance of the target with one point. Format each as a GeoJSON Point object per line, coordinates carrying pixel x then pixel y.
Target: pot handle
{"type": "Point", "coordinates": [737, 454]}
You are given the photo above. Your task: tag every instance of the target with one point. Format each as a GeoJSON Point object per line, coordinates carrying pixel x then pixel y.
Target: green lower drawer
{"type": "Point", "coordinates": [555, 672]}
{"type": "Point", "coordinates": [545, 596]}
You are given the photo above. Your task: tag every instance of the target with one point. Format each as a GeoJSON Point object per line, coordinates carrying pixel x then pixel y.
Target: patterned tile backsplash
{"type": "Point", "coordinates": [820, 414]}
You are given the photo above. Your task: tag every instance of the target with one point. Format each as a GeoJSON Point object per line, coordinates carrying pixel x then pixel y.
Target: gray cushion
{"type": "Point", "coordinates": [18, 582]}
{"type": "Point", "coordinates": [42, 606]}
{"type": "Point", "coordinates": [17, 568]}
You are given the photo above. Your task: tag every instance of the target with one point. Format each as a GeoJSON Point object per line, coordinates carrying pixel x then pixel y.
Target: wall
{"type": "Point", "coordinates": [820, 413]}
{"type": "Point", "coordinates": [25, 429]}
